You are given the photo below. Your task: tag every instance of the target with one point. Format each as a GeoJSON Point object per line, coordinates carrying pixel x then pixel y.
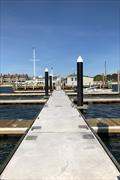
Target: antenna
{"type": "Point", "coordinates": [105, 73]}
{"type": "Point", "coordinates": [52, 71]}
{"type": "Point", "coordinates": [105, 69]}
{"type": "Point", "coordinates": [34, 61]}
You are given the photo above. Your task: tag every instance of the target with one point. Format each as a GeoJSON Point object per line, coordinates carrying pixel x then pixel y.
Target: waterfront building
{"type": "Point", "coordinates": [11, 78]}
{"type": "Point", "coordinates": [71, 81]}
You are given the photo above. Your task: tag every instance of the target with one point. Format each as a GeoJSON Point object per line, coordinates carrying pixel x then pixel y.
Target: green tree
{"type": "Point", "coordinates": [114, 77]}
{"type": "Point", "coordinates": [109, 77]}
{"type": "Point", "coordinates": [98, 77]}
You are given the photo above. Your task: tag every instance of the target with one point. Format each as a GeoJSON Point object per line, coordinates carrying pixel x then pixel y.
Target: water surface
{"type": "Point", "coordinates": [6, 147]}
{"type": "Point", "coordinates": [19, 111]}
{"type": "Point", "coordinates": [113, 144]}
{"type": "Point", "coordinates": [6, 90]}
{"type": "Point", "coordinates": [108, 110]}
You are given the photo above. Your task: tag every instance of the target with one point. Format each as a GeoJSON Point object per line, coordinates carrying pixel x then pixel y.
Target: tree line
{"type": "Point", "coordinates": [109, 77]}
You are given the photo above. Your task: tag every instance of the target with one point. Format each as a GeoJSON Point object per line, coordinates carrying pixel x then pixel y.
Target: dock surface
{"type": "Point", "coordinates": [60, 146]}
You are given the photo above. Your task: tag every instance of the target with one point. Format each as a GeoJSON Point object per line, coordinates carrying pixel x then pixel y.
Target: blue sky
{"type": "Point", "coordinates": [61, 30]}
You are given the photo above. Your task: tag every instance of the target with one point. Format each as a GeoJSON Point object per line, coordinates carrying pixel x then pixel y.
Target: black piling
{"type": "Point", "coordinates": [80, 81]}
{"type": "Point", "coordinates": [46, 82]}
{"type": "Point", "coordinates": [51, 86]}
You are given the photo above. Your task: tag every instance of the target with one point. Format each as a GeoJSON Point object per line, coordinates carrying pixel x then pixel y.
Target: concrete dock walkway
{"type": "Point", "coordinates": [60, 146]}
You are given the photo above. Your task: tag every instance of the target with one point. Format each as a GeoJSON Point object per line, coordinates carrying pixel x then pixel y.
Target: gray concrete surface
{"type": "Point", "coordinates": [60, 146]}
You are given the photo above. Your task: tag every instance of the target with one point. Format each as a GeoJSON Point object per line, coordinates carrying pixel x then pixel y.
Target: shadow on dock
{"type": "Point", "coordinates": [103, 128]}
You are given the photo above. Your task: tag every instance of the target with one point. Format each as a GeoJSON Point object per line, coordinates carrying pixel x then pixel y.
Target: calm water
{"type": "Point", "coordinates": [12, 112]}
{"type": "Point", "coordinates": [103, 111]}
{"type": "Point", "coordinates": [6, 90]}
{"type": "Point", "coordinates": [6, 146]}
{"type": "Point", "coordinates": [113, 144]}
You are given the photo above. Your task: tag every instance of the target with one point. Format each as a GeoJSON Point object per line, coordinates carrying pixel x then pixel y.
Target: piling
{"type": "Point", "coordinates": [46, 82]}
{"type": "Point", "coordinates": [80, 81]}
{"type": "Point", "coordinates": [51, 88]}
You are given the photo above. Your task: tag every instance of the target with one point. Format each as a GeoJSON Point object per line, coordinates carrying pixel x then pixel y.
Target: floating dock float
{"type": "Point", "coordinates": [29, 91]}
{"type": "Point", "coordinates": [101, 100]}
{"type": "Point", "coordinates": [60, 146]}
{"type": "Point", "coordinates": [92, 93]}
{"type": "Point", "coordinates": [21, 94]}
{"type": "Point", "coordinates": [105, 125]}
{"type": "Point", "coordinates": [24, 101]}
{"type": "Point", "coordinates": [16, 127]}
{"type": "Point", "coordinates": [43, 101]}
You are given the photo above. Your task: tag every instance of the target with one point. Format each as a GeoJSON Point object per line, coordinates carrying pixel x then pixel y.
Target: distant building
{"type": "Point", "coordinates": [11, 78]}
{"type": "Point", "coordinates": [41, 81]}
{"type": "Point", "coordinates": [71, 81]}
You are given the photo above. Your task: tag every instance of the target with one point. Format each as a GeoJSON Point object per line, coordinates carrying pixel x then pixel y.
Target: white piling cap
{"type": "Point", "coordinates": [46, 69]}
{"type": "Point", "coordinates": [79, 59]}
{"type": "Point", "coordinates": [50, 74]}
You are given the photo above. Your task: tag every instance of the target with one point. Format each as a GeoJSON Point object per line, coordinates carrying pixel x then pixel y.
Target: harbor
{"type": "Point", "coordinates": [19, 127]}
{"type": "Point", "coordinates": [60, 90]}
{"type": "Point", "coordinates": [67, 132]}
{"type": "Point", "coordinates": [100, 125]}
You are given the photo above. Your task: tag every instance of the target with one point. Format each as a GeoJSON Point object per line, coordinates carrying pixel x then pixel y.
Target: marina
{"type": "Point", "coordinates": [36, 100]}
{"type": "Point", "coordinates": [60, 90]}
{"type": "Point", "coordinates": [62, 129]}
{"type": "Point", "coordinates": [22, 122]}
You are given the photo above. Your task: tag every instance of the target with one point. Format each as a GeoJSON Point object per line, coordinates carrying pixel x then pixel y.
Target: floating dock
{"type": "Point", "coordinates": [43, 101]}
{"type": "Point", "coordinates": [16, 127]}
{"type": "Point", "coordinates": [24, 101]}
{"type": "Point", "coordinates": [29, 91]}
{"type": "Point", "coordinates": [101, 100]}
{"type": "Point", "coordinates": [60, 146]}
{"type": "Point", "coordinates": [22, 94]}
{"type": "Point", "coordinates": [105, 125]}
{"type": "Point", "coordinates": [92, 93]}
